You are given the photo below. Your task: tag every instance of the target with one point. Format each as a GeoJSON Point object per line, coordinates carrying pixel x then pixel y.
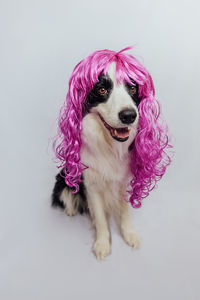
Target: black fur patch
{"type": "Point", "coordinates": [94, 97]}
{"type": "Point", "coordinates": [60, 185]}
{"type": "Point", "coordinates": [134, 96]}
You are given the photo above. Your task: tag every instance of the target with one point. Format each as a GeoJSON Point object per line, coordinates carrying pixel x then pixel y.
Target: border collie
{"type": "Point", "coordinates": [111, 144]}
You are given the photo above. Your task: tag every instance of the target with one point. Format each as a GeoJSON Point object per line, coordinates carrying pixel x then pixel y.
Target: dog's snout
{"type": "Point", "coordinates": [127, 116]}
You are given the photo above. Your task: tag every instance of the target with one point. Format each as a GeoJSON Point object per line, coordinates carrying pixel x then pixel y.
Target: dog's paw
{"type": "Point", "coordinates": [101, 248]}
{"type": "Point", "coordinates": [131, 239]}
{"type": "Point", "coordinates": [71, 211]}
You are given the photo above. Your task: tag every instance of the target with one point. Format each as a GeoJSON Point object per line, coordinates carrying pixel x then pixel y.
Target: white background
{"type": "Point", "coordinates": [43, 253]}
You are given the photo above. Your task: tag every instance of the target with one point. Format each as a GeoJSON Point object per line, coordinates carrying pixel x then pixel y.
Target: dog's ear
{"type": "Point", "coordinates": [149, 157]}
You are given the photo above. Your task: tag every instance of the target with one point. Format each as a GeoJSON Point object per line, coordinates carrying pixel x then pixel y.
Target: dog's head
{"type": "Point", "coordinates": [120, 91]}
{"type": "Point", "coordinates": [115, 104]}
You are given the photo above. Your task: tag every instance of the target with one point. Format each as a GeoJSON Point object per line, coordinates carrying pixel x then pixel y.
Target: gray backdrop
{"type": "Point", "coordinates": [43, 253]}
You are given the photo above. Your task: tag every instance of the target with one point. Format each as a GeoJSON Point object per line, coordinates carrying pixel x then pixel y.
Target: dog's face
{"type": "Point", "coordinates": [115, 104]}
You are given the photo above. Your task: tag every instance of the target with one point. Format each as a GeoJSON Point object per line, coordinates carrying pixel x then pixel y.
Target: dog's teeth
{"type": "Point", "coordinates": [115, 132]}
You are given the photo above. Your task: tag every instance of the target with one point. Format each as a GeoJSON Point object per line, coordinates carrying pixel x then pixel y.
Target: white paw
{"type": "Point", "coordinates": [70, 201]}
{"type": "Point", "coordinates": [101, 248]}
{"type": "Point", "coordinates": [71, 211]}
{"type": "Point", "coordinates": [131, 239]}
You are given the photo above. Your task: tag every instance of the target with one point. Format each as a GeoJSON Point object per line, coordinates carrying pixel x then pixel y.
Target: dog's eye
{"type": "Point", "coordinates": [103, 91]}
{"type": "Point", "coordinates": [132, 89]}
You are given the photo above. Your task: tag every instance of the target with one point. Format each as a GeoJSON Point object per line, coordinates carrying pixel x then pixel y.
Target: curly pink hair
{"type": "Point", "coordinates": [149, 157]}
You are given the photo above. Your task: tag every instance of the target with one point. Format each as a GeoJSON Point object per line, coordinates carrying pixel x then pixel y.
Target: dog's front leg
{"type": "Point", "coordinates": [101, 246]}
{"type": "Point", "coordinates": [126, 228]}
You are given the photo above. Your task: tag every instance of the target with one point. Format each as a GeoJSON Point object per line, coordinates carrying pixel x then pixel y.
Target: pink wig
{"type": "Point", "coordinates": [149, 158]}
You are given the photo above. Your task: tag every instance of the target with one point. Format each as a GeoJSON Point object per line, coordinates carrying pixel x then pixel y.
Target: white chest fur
{"type": "Point", "coordinates": [107, 159]}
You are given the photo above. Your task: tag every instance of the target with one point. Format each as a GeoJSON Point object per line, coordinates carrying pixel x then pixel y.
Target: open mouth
{"type": "Point", "coordinates": [119, 134]}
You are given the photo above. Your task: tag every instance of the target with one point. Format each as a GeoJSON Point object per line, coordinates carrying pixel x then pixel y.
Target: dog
{"type": "Point", "coordinates": [112, 143]}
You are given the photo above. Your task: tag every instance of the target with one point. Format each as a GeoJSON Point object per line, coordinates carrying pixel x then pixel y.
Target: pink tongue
{"type": "Point", "coordinates": [120, 133]}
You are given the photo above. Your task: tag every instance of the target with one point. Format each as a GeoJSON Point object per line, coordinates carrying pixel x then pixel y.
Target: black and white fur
{"type": "Point", "coordinates": [104, 183]}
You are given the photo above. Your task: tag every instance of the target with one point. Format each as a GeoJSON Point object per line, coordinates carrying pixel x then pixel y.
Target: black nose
{"type": "Point", "coordinates": [127, 116]}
